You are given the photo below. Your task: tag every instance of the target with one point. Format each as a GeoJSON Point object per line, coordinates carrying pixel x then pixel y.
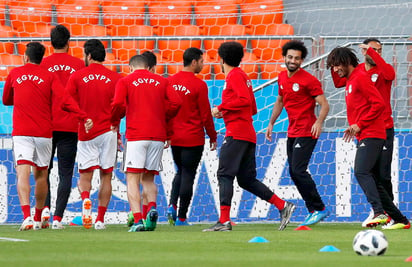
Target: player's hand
{"type": "Point", "coordinates": [268, 134]}
{"type": "Point", "coordinates": [348, 136]}
{"type": "Point", "coordinates": [120, 146]}
{"type": "Point", "coordinates": [216, 113]}
{"type": "Point", "coordinates": [114, 128]}
{"type": "Point", "coordinates": [88, 125]}
{"type": "Point", "coordinates": [167, 144]}
{"type": "Point", "coordinates": [316, 129]}
{"type": "Point", "coordinates": [364, 48]}
{"type": "Point", "coordinates": [213, 146]}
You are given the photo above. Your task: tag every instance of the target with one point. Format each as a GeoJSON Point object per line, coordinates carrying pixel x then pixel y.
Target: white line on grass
{"type": "Point", "coordinates": [13, 239]}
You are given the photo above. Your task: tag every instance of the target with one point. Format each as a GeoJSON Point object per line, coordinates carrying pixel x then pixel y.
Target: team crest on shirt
{"type": "Point", "coordinates": [249, 83]}
{"type": "Point", "coordinates": [224, 86]}
{"type": "Point", "coordinates": [281, 87]}
{"type": "Point", "coordinates": [350, 88]}
{"type": "Point", "coordinates": [295, 87]}
{"type": "Point", "coordinates": [374, 77]}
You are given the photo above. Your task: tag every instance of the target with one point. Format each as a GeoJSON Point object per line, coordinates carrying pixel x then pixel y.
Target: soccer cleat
{"type": "Point", "coordinates": [396, 226]}
{"type": "Point", "coordinates": [99, 226]}
{"type": "Point", "coordinates": [130, 219]}
{"type": "Point", "coordinates": [219, 227]}
{"type": "Point", "coordinates": [376, 220]}
{"type": "Point", "coordinates": [370, 217]}
{"type": "Point", "coordinates": [182, 223]}
{"type": "Point", "coordinates": [56, 225]}
{"type": "Point", "coordinates": [171, 215]}
{"type": "Point", "coordinates": [317, 216]}
{"type": "Point", "coordinates": [27, 224]}
{"type": "Point", "coordinates": [137, 227]}
{"type": "Point", "coordinates": [45, 217]}
{"type": "Point", "coordinates": [37, 225]}
{"type": "Point", "coordinates": [87, 213]}
{"type": "Point", "coordinates": [285, 214]}
{"type": "Point", "coordinates": [307, 219]}
{"type": "Point", "coordinates": [151, 220]}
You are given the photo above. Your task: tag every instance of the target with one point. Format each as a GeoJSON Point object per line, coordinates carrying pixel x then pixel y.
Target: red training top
{"type": "Point", "coordinates": [238, 106]}
{"type": "Point", "coordinates": [63, 65]}
{"type": "Point", "coordinates": [93, 88]}
{"type": "Point", "coordinates": [194, 115]}
{"type": "Point", "coordinates": [299, 92]}
{"type": "Point", "coordinates": [31, 88]}
{"type": "Point", "coordinates": [382, 75]}
{"type": "Point", "coordinates": [148, 103]}
{"type": "Point", "coordinates": [364, 106]}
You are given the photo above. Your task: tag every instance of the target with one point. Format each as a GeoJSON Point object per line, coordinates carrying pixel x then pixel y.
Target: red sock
{"type": "Point", "coordinates": [150, 205]}
{"type": "Point", "coordinates": [26, 211]}
{"type": "Point", "coordinates": [137, 217]}
{"type": "Point", "coordinates": [37, 215]}
{"type": "Point", "coordinates": [224, 214]}
{"type": "Point", "coordinates": [85, 194]}
{"type": "Point", "coordinates": [174, 206]}
{"type": "Point", "coordinates": [144, 210]}
{"type": "Point", "coordinates": [278, 202]}
{"type": "Point", "coordinates": [182, 219]}
{"type": "Point", "coordinates": [57, 218]}
{"type": "Point", "coordinates": [101, 211]}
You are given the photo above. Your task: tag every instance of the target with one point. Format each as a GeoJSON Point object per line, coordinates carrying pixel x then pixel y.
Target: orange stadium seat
{"type": "Point", "coordinates": [262, 13]}
{"type": "Point", "coordinates": [212, 45]}
{"type": "Point", "coordinates": [173, 68]}
{"type": "Point", "coordinates": [21, 48]}
{"type": "Point", "coordinates": [34, 30]}
{"type": "Point", "coordinates": [164, 14]}
{"type": "Point", "coordinates": [6, 47]}
{"type": "Point", "coordinates": [11, 60]}
{"type": "Point", "coordinates": [125, 49]}
{"type": "Point", "coordinates": [111, 62]}
{"type": "Point", "coordinates": [249, 65]}
{"type": "Point", "coordinates": [4, 72]}
{"type": "Point", "coordinates": [76, 48]}
{"type": "Point", "coordinates": [172, 50]}
{"type": "Point", "coordinates": [2, 12]}
{"type": "Point", "coordinates": [206, 73]}
{"type": "Point", "coordinates": [91, 31]}
{"type": "Point", "coordinates": [160, 67]}
{"type": "Point", "coordinates": [216, 13]}
{"type": "Point", "coordinates": [78, 11]}
{"type": "Point", "coordinates": [271, 70]}
{"type": "Point", "coordinates": [269, 50]}
{"type": "Point", "coordinates": [120, 13]}
{"type": "Point", "coordinates": [24, 13]}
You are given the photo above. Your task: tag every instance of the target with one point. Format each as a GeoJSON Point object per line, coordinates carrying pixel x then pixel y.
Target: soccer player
{"type": "Point", "coordinates": [93, 87]}
{"type": "Point", "coordinates": [382, 75]}
{"type": "Point", "coordinates": [30, 89]}
{"type": "Point", "coordinates": [65, 125]}
{"type": "Point", "coordinates": [148, 103]}
{"type": "Point", "coordinates": [189, 126]}
{"type": "Point", "coordinates": [365, 107]}
{"type": "Point", "coordinates": [299, 92]}
{"type": "Point", "coordinates": [237, 155]}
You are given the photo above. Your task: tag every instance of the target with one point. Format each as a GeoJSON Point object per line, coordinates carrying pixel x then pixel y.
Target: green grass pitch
{"type": "Point", "coordinates": [189, 246]}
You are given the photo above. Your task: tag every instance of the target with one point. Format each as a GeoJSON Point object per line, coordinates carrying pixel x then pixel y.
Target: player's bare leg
{"type": "Point", "coordinates": [23, 190]}
{"type": "Point", "coordinates": [85, 186]}
{"type": "Point", "coordinates": [133, 195]}
{"type": "Point", "coordinates": [150, 191]}
{"type": "Point", "coordinates": [105, 193]}
{"type": "Point", "coordinates": [40, 193]}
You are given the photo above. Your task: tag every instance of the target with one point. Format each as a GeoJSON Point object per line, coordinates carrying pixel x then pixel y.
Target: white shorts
{"type": "Point", "coordinates": [35, 151]}
{"type": "Point", "coordinates": [143, 156]}
{"type": "Point", "coordinates": [98, 153]}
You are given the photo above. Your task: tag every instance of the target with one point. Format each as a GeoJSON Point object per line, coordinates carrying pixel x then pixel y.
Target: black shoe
{"type": "Point", "coordinates": [285, 214]}
{"type": "Point", "coordinates": [222, 227]}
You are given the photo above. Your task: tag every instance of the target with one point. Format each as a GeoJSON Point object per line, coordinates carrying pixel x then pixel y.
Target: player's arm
{"type": "Point", "coordinates": [387, 70]}
{"type": "Point", "coordinates": [277, 109]}
{"type": "Point", "coordinates": [173, 102]}
{"type": "Point", "coordinates": [377, 105]}
{"type": "Point", "coordinates": [119, 103]}
{"type": "Point", "coordinates": [206, 116]}
{"type": "Point", "coordinates": [324, 110]}
{"type": "Point", "coordinates": [8, 93]}
{"type": "Point", "coordinates": [337, 81]}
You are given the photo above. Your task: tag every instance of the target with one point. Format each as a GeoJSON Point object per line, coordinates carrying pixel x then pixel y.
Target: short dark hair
{"type": "Point", "coordinates": [151, 59]}
{"type": "Point", "coordinates": [295, 45]}
{"type": "Point", "coordinates": [35, 52]}
{"type": "Point", "coordinates": [59, 36]}
{"type": "Point", "coordinates": [191, 54]}
{"type": "Point", "coordinates": [368, 40]}
{"type": "Point", "coordinates": [342, 56]}
{"type": "Point", "coordinates": [138, 60]}
{"type": "Point", "coordinates": [231, 53]}
{"type": "Point", "coordinates": [95, 49]}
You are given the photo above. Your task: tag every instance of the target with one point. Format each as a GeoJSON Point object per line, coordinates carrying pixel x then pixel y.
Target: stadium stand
{"type": "Point", "coordinates": [27, 14]}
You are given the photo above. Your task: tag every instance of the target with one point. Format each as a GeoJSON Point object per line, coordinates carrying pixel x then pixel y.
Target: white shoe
{"type": "Point", "coordinates": [36, 225]}
{"type": "Point", "coordinates": [57, 225]}
{"type": "Point", "coordinates": [45, 217]}
{"type": "Point", "coordinates": [27, 224]}
{"type": "Point", "coordinates": [370, 217]}
{"type": "Point", "coordinates": [99, 226]}
{"type": "Point", "coordinates": [87, 213]}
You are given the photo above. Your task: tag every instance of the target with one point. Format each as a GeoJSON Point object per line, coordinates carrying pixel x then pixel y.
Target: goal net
{"type": "Point", "coordinates": [131, 27]}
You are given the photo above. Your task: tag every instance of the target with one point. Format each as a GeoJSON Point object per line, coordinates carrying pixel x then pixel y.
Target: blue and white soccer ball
{"type": "Point", "coordinates": [370, 243]}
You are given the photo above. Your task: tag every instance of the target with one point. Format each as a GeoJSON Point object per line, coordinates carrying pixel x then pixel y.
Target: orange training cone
{"type": "Point", "coordinates": [302, 227]}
